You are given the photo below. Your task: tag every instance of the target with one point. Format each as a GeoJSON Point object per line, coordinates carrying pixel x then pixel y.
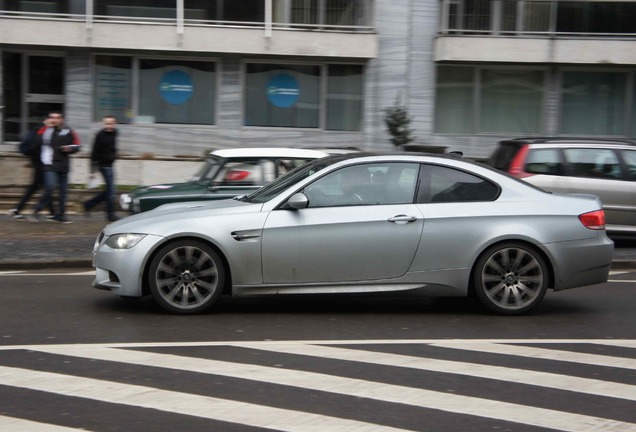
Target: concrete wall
{"type": "Point", "coordinates": [15, 170]}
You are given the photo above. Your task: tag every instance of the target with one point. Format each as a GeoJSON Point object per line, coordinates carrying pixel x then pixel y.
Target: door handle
{"type": "Point", "coordinates": [402, 219]}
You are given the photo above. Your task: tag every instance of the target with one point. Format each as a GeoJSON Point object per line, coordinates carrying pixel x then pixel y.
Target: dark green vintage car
{"type": "Point", "coordinates": [225, 174]}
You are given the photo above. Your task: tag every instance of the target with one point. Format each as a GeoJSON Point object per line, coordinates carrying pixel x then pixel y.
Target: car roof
{"type": "Point", "coordinates": [568, 140]}
{"type": "Point", "coordinates": [264, 152]}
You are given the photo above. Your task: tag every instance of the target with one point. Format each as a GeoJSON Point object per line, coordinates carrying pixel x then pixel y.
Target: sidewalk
{"type": "Point", "coordinates": [28, 245]}
{"type": "Point", "coordinates": [45, 245]}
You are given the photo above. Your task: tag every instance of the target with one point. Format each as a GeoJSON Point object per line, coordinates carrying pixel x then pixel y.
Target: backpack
{"type": "Point", "coordinates": [25, 145]}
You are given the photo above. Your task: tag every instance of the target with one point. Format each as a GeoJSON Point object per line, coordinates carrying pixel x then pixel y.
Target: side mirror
{"type": "Point", "coordinates": [297, 201]}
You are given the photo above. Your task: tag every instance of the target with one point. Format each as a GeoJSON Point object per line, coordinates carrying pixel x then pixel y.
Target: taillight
{"type": "Point", "coordinates": [236, 175]}
{"type": "Point", "coordinates": [516, 165]}
{"type": "Point", "coordinates": [594, 220]}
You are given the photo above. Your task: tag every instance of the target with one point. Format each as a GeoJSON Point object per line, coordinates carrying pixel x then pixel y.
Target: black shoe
{"type": "Point", "coordinates": [61, 219]}
{"type": "Point", "coordinates": [113, 218]}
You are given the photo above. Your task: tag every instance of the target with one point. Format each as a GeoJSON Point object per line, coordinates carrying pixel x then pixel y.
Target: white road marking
{"type": "Point", "coordinates": [387, 392]}
{"type": "Point", "coordinates": [182, 403]}
{"type": "Point", "coordinates": [10, 424]}
{"type": "Point", "coordinates": [626, 343]}
{"type": "Point", "coordinates": [543, 353]}
{"type": "Point", "coordinates": [520, 376]}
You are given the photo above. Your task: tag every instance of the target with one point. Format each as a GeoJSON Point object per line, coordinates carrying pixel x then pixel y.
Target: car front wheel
{"type": "Point", "coordinates": [510, 278]}
{"type": "Point", "coordinates": [186, 277]}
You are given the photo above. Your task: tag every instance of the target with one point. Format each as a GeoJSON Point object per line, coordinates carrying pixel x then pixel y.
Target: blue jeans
{"type": "Point", "coordinates": [54, 180]}
{"type": "Point", "coordinates": [108, 194]}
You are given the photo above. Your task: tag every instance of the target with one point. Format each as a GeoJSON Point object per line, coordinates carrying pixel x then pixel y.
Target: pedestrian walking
{"type": "Point", "coordinates": [37, 181]}
{"type": "Point", "coordinates": [54, 145]}
{"type": "Point", "coordinates": [102, 159]}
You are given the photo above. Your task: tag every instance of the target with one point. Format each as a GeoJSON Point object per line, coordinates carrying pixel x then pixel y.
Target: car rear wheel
{"type": "Point", "coordinates": [510, 278]}
{"type": "Point", "coordinates": [186, 277]}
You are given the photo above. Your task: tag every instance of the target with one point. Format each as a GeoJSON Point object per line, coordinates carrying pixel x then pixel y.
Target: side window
{"type": "Point", "coordinates": [594, 163]}
{"type": "Point", "coordinates": [369, 184]}
{"type": "Point", "coordinates": [442, 184]}
{"type": "Point", "coordinates": [629, 156]}
{"type": "Point", "coordinates": [543, 161]}
{"type": "Point", "coordinates": [247, 173]}
{"type": "Point", "coordinates": [283, 166]}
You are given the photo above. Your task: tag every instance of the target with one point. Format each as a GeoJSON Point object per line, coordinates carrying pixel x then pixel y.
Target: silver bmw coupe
{"type": "Point", "coordinates": [422, 224]}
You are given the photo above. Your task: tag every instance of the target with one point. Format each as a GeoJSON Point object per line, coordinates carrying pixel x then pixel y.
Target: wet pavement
{"type": "Point", "coordinates": [27, 245]}
{"type": "Point", "coordinates": [46, 244]}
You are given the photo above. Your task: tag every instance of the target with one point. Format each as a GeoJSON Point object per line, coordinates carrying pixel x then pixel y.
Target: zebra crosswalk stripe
{"type": "Point", "coordinates": [11, 424]}
{"type": "Point", "coordinates": [180, 403]}
{"type": "Point", "coordinates": [519, 376]}
{"type": "Point", "coordinates": [386, 392]}
{"type": "Point", "coordinates": [541, 353]}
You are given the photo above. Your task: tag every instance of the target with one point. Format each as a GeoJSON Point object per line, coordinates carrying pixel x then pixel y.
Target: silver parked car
{"type": "Point", "coordinates": [605, 168]}
{"type": "Point", "coordinates": [360, 223]}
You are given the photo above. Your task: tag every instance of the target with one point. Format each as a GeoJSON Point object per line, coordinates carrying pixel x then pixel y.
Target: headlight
{"type": "Point", "coordinates": [124, 241]}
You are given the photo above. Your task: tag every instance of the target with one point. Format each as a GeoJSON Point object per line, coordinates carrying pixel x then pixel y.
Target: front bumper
{"type": "Point", "coordinates": [121, 270]}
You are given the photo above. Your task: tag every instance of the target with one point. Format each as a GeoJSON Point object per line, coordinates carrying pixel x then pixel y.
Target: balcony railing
{"type": "Point", "coordinates": [322, 15]}
{"type": "Point", "coordinates": [547, 18]}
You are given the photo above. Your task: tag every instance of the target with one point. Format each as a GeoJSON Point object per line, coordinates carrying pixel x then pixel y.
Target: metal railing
{"type": "Point", "coordinates": [543, 18]}
{"type": "Point", "coordinates": [321, 15]}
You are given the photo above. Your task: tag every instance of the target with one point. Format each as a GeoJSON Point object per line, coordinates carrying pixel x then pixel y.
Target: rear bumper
{"type": "Point", "coordinates": [582, 262]}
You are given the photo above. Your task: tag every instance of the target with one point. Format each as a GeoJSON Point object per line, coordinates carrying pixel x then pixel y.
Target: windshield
{"type": "Point", "coordinates": [207, 171]}
{"type": "Point", "coordinates": [275, 187]}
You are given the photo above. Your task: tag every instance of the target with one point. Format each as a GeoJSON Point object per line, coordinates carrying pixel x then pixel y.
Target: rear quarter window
{"type": "Point", "coordinates": [439, 184]}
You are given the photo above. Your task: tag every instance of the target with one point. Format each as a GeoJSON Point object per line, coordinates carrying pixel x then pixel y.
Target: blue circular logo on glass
{"type": "Point", "coordinates": [176, 87]}
{"type": "Point", "coordinates": [283, 91]}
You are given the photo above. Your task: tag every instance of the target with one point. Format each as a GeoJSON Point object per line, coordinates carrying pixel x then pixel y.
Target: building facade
{"type": "Point", "coordinates": [185, 76]}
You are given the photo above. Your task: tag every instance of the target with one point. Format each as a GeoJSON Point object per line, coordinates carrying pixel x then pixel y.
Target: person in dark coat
{"type": "Point", "coordinates": [54, 145]}
{"type": "Point", "coordinates": [37, 181]}
{"type": "Point", "coordinates": [102, 159]}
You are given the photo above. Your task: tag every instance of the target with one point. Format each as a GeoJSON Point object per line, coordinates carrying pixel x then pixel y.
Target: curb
{"type": "Point", "coordinates": [44, 264]}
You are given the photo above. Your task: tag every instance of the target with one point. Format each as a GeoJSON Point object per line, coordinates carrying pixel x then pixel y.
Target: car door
{"type": "Point", "coordinates": [599, 172]}
{"type": "Point", "coordinates": [543, 168]}
{"type": "Point", "coordinates": [365, 230]}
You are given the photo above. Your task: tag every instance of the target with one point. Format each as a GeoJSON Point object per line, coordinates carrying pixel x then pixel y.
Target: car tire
{"type": "Point", "coordinates": [186, 277]}
{"type": "Point", "coordinates": [510, 278]}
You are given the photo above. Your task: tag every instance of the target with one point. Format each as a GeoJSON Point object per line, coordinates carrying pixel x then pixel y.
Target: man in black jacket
{"type": "Point", "coordinates": [54, 145]}
{"type": "Point", "coordinates": [37, 182]}
{"type": "Point", "coordinates": [102, 159]}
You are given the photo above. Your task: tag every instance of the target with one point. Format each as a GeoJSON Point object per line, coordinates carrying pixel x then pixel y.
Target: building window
{"type": "Point", "coordinates": [174, 91]}
{"type": "Point", "coordinates": [284, 95]}
{"type": "Point", "coordinates": [488, 100]}
{"type": "Point", "coordinates": [113, 88]}
{"type": "Point", "coordinates": [511, 101]}
{"type": "Point", "coordinates": [344, 97]}
{"type": "Point", "coordinates": [454, 100]}
{"type": "Point", "coordinates": [167, 91]}
{"type": "Point", "coordinates": [593, 103]}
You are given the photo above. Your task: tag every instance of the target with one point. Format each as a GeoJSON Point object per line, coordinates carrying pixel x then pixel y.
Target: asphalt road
{"type": "Point", "coordinates": [73, 357]}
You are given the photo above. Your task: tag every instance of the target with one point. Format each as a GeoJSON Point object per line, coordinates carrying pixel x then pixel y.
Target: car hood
{"type": "Point", "coordinates": [163, 189]}
{"type": "Point", "coordinates": [179, 213]}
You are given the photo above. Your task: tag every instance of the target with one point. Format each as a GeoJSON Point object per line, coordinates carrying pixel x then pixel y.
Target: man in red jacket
{"type": "Point", "coordinates": [54, 145]}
